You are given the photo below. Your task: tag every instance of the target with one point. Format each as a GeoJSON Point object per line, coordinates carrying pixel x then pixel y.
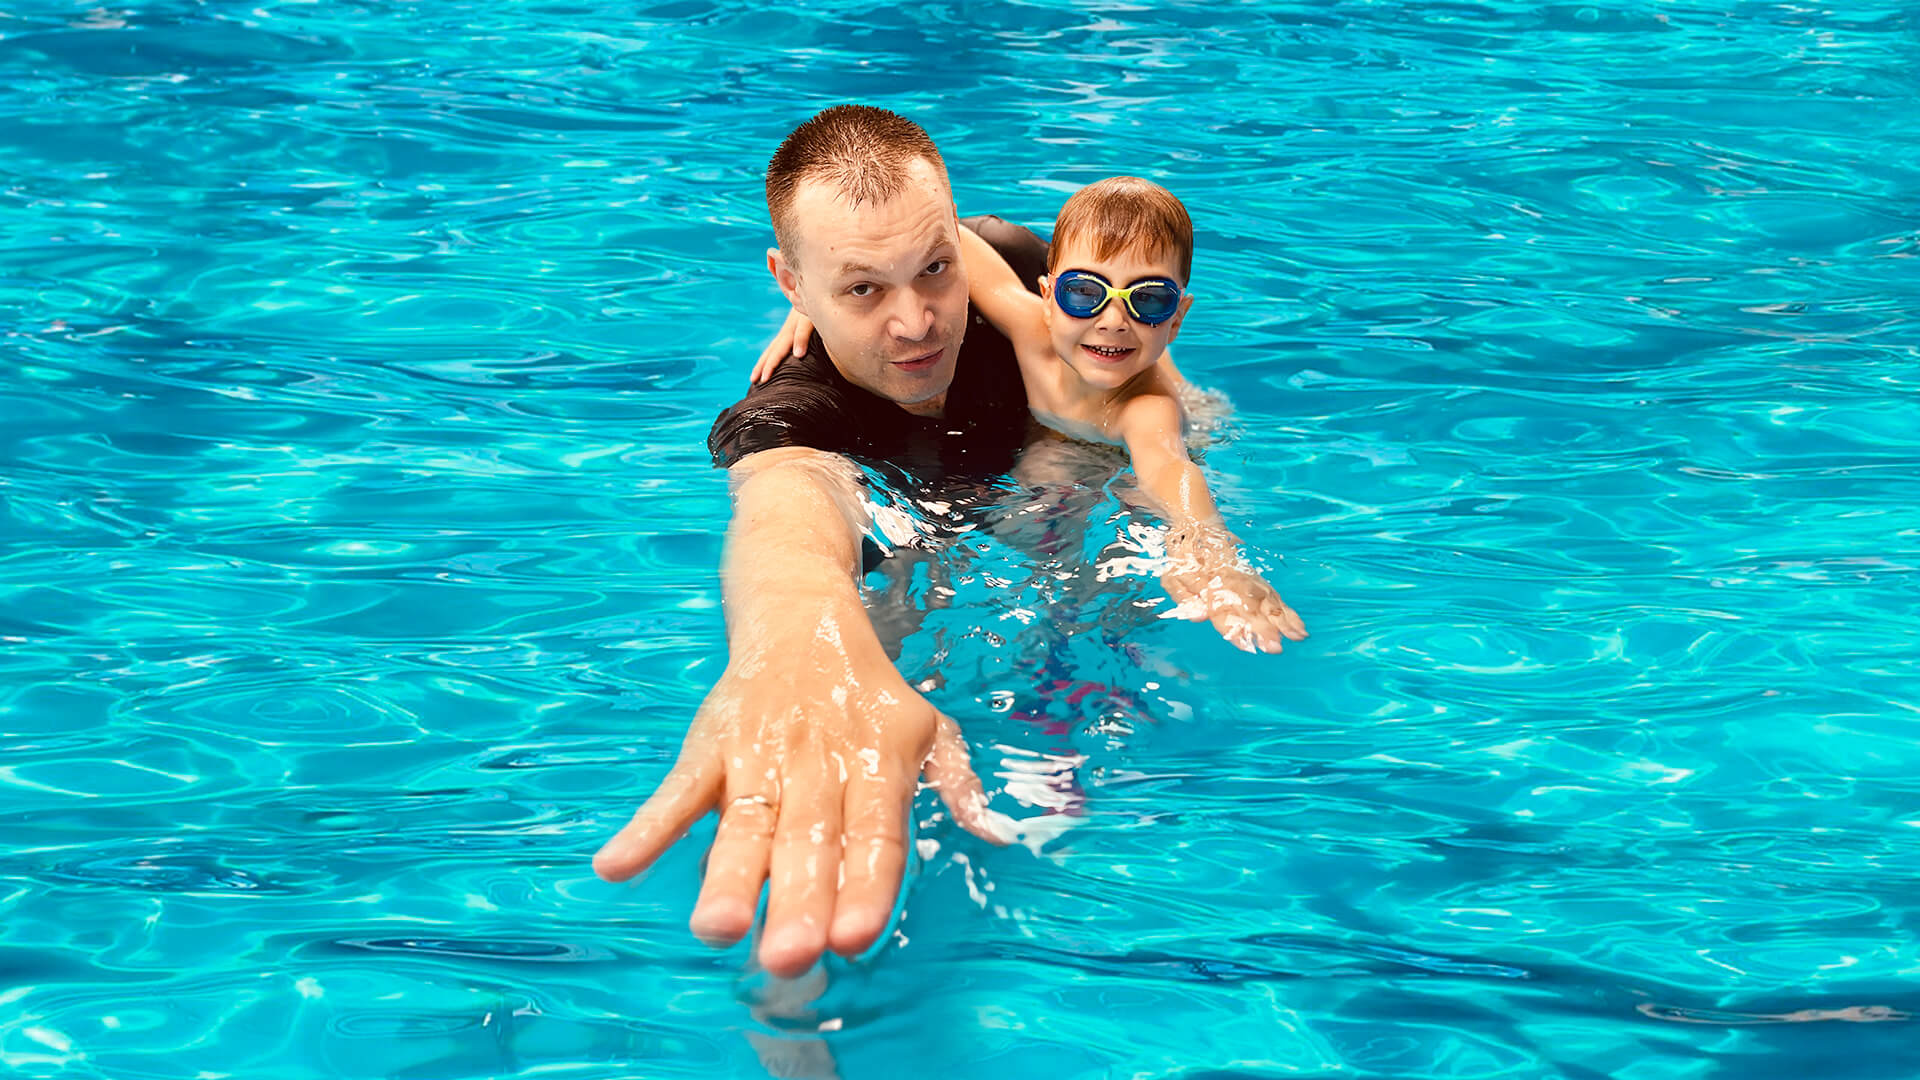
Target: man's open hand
{"type": "Point", "coordinates": [813, 768]}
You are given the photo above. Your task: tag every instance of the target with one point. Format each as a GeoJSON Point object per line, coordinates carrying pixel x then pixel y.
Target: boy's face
{"type": "Point", "coordinates": [1111, 346]}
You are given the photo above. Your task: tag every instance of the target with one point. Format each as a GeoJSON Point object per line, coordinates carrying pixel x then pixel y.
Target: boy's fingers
{"type": "Point", "coordinates": [1263, 626]}
{"type": "Point", "coordinates": [1287, 619]}
{"type": "Point", "coordinates": [1235, 628]}
{"type": "Point", "coordinates": [1292, 626]}
{"type": "Point", "coordinates": [1267, 632]}
{"type": "Point", "coordinates": [1257, 633]}
{"type": "Point", "coordinates": [1185, 597]}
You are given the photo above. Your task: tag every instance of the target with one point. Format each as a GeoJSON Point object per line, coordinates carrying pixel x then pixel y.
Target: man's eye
{"type": "Point", "coordinates": [938, 266]}
{"type": "Point", "coordinates": [861, 289]}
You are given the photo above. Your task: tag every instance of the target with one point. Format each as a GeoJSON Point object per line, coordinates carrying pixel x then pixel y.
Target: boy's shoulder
{"type": "Point", "coordinates": [1157, 400]}
{"type": "Point", "coordinates": [1161, 387]}
{"type": "Point", "coordinates": [1156, 404]}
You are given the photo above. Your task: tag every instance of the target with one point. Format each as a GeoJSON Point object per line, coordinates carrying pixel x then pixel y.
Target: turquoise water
{"type": "Point", "coordinates": [358, 567]}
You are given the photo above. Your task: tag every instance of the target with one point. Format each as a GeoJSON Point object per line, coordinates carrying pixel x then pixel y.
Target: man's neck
{"type": "Point", "coordinates": [935, 406]}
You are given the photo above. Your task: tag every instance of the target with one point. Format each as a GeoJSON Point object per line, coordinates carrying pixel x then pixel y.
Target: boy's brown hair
{"type": "Point", "coordinates": [1125, 213]}
{"type": "Point", "coordinates": [861, 150]}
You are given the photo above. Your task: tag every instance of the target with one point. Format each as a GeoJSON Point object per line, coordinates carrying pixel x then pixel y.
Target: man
{"type": "Point", "coordinates": [811, 744]}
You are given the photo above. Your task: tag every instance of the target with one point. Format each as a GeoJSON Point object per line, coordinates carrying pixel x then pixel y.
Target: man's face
{"type": "Point", "coordinates": [882, 284]}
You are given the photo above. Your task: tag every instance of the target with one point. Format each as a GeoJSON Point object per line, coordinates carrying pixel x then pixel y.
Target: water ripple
{"type": "Point", "coordinates": [358, 544]}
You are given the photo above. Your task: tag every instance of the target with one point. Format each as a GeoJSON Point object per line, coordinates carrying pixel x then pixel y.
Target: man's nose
{"type": "Point", "coordinates": [912, 318]}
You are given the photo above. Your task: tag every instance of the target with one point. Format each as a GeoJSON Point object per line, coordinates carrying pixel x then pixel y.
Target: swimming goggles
{"type": "Point", "coordinates": [1083, 294]}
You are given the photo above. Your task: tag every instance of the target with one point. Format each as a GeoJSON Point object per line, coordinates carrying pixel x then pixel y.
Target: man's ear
{"type": "Point", "coordinates": [786, 277]}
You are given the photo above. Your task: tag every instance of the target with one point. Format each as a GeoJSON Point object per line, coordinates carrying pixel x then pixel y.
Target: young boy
{"type": "Point", "coordinates": [1092, 350]}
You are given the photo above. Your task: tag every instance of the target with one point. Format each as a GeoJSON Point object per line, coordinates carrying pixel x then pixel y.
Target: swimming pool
{"type": "Point", "coordinates": [359, 544]}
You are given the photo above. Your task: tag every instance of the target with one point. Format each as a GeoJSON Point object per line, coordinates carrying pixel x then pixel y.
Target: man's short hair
{"type": "Point", "coordinates": [862, 151]}
{"type": "Point", "coordinates": [1125, 213]}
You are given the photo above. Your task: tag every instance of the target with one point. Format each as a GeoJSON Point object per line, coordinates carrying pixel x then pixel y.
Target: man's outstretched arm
{"type": "Point", "coordinates": [811, 745]}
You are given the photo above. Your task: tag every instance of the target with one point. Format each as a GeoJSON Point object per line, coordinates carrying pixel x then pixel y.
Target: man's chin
{"type": "Point", "coordinates": [920, 388]}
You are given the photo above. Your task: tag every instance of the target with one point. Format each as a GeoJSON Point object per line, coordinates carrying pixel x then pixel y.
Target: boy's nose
{"type": "Point", "coordinates": [1114, 316]}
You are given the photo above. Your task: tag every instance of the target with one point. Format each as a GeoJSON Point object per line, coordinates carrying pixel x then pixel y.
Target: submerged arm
{"type": "Point", "coordinates": [1205, 576]}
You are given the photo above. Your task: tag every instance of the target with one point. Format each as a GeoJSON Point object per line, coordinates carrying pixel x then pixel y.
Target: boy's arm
{"type": "Point", "coordinates": [1204, 575]}
{"type": "Point", "coordinates": [996, 292]}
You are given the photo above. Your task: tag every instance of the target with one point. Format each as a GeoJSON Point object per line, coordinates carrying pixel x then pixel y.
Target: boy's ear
{"type": "Point", "coordinates": [786, 277]}
{"type": "Point", "coordinates": [1046, 287]}
{"type": "Point", "coordinates": [1180, 316]}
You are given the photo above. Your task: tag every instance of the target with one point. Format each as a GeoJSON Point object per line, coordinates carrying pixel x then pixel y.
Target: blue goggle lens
{"type": "Point", "coordinates": [1083, 295]}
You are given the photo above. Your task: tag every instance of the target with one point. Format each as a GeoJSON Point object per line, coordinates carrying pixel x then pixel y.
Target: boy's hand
{"type": "Point", "coordinates": [1207, 582]}
{"type": "Point", "coordinates": [790, 340]}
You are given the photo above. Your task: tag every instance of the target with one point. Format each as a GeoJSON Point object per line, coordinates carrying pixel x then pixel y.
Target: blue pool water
{"type": "Point", "coordinates": [357, 562]}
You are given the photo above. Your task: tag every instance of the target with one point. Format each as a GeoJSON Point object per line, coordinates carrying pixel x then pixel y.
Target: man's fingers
{"type": "Point", "coordinates": [805, 872]}
{"type": "Point", "coordinates": [681, 799]}
{"type": "Point", "coordinates": [736, 866]}
{"type": "Point", "coordinates": [949, 770]}
{"type": "Point", "coordinates": [874, 857]}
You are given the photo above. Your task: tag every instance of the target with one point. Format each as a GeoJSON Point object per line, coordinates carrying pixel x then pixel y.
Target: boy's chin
{"type": "Point", "coordinates": [1110, 377]}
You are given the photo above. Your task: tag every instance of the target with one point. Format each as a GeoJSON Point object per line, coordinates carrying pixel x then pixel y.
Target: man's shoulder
{"type": "Point", "coordinates": [800, 385]}
{"type": "Point", "coordinates": [804, 403]}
